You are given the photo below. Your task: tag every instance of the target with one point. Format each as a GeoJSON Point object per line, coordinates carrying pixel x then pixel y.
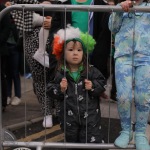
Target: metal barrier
{"type": "Point", "coordinates": [99, 8]}
{"type": "Point", "coordinates": [36, 7]}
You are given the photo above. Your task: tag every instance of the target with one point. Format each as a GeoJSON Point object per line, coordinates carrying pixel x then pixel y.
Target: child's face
{"type": "Point", "coordinates": [74, 53]}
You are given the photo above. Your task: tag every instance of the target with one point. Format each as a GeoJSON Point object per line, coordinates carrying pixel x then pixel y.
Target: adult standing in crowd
{"type": "Point", "coordinates": [39, 73]}
{"type": "Point", "coordinates": [132, 71]}
{"type": "Point", "coordinates": [13, 75]}
{"type": "Point", "coordinates": [4, 34]}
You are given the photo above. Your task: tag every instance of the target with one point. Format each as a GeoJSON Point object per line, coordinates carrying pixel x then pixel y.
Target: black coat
{"type": "Point", "coordinates": [76, 100]}
{"type": "Point", "coordinates": [4, 32]}
{"type": "Point", "coordinates": [14, 30]}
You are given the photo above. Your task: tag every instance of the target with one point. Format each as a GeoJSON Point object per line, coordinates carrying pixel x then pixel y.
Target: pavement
{"type": "Point", "coordinates": [28, 111]}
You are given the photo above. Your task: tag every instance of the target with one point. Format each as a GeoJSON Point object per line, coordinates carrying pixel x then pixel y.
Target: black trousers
{"type": "Point", "coordinates": [3, 81]}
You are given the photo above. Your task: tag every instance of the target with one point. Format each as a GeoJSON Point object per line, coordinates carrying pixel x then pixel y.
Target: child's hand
{"type": "Point", "coordinates": [88, 84]}
{"type": "Point", "coordinates": [8, 4]}
{"type": "Point", "coordinates": [126, 5]}
{"type": "Point", "coordinates": [47, 22]}
{"type": "Point", "coordinates": [63, 85]}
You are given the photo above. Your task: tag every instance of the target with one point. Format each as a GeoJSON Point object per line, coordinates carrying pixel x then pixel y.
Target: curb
{"type": "Point", "coordinates": [22, 124]}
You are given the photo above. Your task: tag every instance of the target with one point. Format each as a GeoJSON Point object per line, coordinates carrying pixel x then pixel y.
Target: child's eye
{"type": "Point", "coordinates": [79, 49]}
{"type": "Point", "coordinates": [70, 49]}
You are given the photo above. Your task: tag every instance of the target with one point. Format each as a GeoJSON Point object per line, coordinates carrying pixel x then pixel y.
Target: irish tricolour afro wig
{"type": "Point", "coordinates": [72, 34]}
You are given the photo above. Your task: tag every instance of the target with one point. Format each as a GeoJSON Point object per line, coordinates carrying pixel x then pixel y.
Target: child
{"type": "Point", "coordinates": [79, 79]}
{"type": "Point", "coordinates": [132, 66]}
{"type": "Point", "coordinates": [95, 23]}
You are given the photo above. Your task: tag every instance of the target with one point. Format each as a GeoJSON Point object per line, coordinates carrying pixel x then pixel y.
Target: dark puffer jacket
{"type": "Point", "coordinates": [76, 105]}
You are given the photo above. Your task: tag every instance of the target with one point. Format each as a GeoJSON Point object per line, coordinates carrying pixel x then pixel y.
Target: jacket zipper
{"type": "Point", "coordinates": [76, 93]}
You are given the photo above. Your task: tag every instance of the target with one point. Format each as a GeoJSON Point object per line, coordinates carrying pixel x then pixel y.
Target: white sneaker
{"type": "Point", "coordinates": [48, 122]}
{"type": "Point", "coordinates": [15, 101]}
{"type": "Point", "coordinates": [38, 56]}
{"type": "Point", "coordinates": [8, 100]}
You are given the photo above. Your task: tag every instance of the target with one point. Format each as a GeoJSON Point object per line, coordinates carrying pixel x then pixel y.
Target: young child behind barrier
{"type": "Point", "coordinates": [79, 84]}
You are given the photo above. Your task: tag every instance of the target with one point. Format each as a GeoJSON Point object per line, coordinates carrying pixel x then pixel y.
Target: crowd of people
{"type": "Point", "coordinates": [68, 53]}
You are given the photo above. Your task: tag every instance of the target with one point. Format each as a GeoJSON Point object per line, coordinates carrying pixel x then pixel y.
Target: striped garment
{"type": "Point", "coordinates": [23, 23]}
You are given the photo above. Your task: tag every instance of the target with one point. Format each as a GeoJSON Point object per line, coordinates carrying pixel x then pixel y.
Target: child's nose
{"type": "Point", "coordinates": [75, 51]}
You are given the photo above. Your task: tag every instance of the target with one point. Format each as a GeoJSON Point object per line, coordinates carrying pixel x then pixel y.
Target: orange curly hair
{"type": "Point", "coordinates": [57, 47]}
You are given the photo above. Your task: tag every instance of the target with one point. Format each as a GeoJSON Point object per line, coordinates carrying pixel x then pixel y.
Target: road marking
{"type": "Point", "coordinates": [39, 134]}
{"type": "Point", "coordinates": [22, 148]}
{"type": "Point", "coordinates": [57, 138]}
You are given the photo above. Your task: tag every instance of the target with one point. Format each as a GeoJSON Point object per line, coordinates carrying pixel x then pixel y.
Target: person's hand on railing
{"type": "Point", "coordinates": [126, 5]}
{"type": "Point", "coordinates": [47, 22]}
{"type": "Point", "coordinates": [88, 84]}
{"type": "Point", "coordinates": [8, 4]}
{"type": "Point", "coordinates": [63, 85]}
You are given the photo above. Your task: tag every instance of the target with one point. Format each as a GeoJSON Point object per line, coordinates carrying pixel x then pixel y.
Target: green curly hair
{"type": "Point", "coordinates": [86, 40]}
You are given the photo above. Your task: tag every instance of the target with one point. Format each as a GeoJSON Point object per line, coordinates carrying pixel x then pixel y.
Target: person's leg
{"type": "Point", "coordinates": [46, 103]}
{"type": "Point", "coordinates": [91, 130]}
{"type": "Point", "coordinates": [39, 73]}
{"type": "Point", "coordinates": [9, 74]}
{"type": "Point", "coordinates": [113, 90]}
{"type": "Point", "coordinates": [4, 82]}
{"type": "Point", "coordinates": [142, 103]}
{"type": "Point", "coordinates": [15, 73]}
{"type": "Point", "coordinates": [123, 76]}
{"type": "Point", "coordinates": [94, 133]}
{"type": "Point", "coordinates": [72, 132]}
{"type": "Point", "coordinates": [4, 91]}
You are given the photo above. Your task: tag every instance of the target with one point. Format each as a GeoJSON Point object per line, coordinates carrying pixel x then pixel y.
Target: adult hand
{"type": "Point", "coordinates": [47, 22]}
{"type": "Point", "coordinates": [46, 2]}
{"type": "Point", "coordinates": [126, 5]}
{"type": "Point", "coordinates": [8, 4]}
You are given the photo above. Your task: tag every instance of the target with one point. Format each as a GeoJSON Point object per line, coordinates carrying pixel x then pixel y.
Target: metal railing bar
{"type": "Point", "coordinates": [1, 135]}
{"type": "Point", "coordinates": [54, 7]}
{"type": "Point", "coordinates": [64, 145]}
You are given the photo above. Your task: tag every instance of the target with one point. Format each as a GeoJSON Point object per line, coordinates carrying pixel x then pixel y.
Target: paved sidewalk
{"type": "Point", "coordinates": [26, 112]}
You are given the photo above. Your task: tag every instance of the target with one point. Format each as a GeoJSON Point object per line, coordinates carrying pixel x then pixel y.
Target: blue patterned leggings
{"type": "Point", "coordinates": [125, 74]}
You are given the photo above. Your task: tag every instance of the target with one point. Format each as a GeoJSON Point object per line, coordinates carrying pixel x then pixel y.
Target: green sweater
{"type": "Point", "coordinates": [80, 19]}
